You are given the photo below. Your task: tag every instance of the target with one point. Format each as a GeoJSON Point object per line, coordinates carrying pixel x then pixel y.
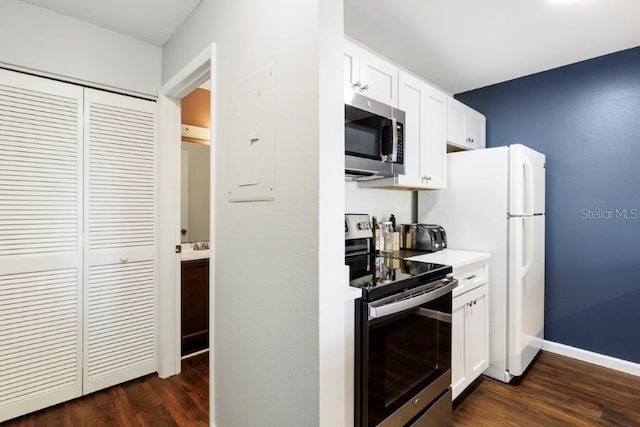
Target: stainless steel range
{"type": "Point", "coordinates": [403, 335]}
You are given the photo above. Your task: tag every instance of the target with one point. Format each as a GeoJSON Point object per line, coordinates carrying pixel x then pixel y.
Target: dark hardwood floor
{"type": "Point", "coordinates": [557, 391]}
{"type": "Point", "coordinates": [182, 400]}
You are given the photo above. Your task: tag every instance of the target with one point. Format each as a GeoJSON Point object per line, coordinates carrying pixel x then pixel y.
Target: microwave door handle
{"type": "Point", "coordinates": [378, 310]}
{"type": "Point", "coordinates": [394, 140]}
{"type": "Point", "coordinates": [389, 141]}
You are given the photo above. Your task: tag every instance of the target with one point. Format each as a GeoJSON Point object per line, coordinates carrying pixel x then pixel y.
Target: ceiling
{"type": "Point", "coordinates": [461, 45]}
{"type": "Point", "coordinates": [153, 21]}
{"type": "Point", "coordinates": [458, 45]}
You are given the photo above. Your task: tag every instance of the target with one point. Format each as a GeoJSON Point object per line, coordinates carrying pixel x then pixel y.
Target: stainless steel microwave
{"type": "Point", "coordinates": [373, 138]}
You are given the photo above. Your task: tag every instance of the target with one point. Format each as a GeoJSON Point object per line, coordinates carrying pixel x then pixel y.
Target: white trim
{"type": "Point", "coordinates": [168, 182]}
{"type": "Point", "coordinates": [191, 76]}
{"type": "Point", "coordinates": [213, 191]}
{"type": "Point", "coordinates": [591, 357]}
{"type": "Point", "coordinates": [195, 132]}
{"type": "Point", "coordinates": [197, 353]}
{"type": "Point", "coordinates": [198, 71]}
{"type": "Point", "coordinates": [74, 81]}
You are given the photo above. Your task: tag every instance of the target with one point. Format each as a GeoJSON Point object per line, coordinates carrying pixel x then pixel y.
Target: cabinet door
{"type": "Point", "coordinates": [474, 130]}
{"type": "Point", "coordinates": [478, 332]}
{"type": "Point", "coordinates": [40, 243]}
{"type": "Point", "coordinates": [433, 159]}
{"type": "Point", "coordinates": [119, 276]}
{"type": "Point", "coordinates": [458, 345]}
{"type": "Point", "coordinates": [351, 64]}
{"type": "Point", "coordinates": [195, 305]}
{"type": "Point", "coordinates": [455, 122]}
{"type": "Point", "coordinates": [379, 78]}
{"type": "Point", "coordinates": [411, 101]}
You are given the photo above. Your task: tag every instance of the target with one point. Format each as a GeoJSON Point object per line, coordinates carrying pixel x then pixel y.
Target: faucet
{"type": "Point", "coordinates": [200, 246]}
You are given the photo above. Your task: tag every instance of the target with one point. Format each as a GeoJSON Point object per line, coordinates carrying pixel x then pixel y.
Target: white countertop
{"type": "Point", "coordinates": [189, 253]}
{"type": "Point", "coordinates": [193, 255]}
{"type": "Point", "coordinates": [351, 293]}
{"type": "Point", "coordinates": [453, 257]}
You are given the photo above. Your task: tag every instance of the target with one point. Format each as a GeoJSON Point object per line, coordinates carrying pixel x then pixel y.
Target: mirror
{"type": "Point", "coordinates": [195, 166]}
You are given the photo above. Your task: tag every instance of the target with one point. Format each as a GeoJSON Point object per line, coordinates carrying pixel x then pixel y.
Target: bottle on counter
{"type": "Point", "coordinates": [386, 244]}
{"type": "Point", "coordinates": [376, 234]}
{"type": "Point", "coordinates": [392, 219]}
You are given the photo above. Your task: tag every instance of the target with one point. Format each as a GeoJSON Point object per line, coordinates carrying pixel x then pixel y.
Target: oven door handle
{"type": "Point", "coordinates": [382, 308]}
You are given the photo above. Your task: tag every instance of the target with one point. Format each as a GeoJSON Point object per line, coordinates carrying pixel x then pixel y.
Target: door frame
{"type": "Point", "coordinates": [168, 345]}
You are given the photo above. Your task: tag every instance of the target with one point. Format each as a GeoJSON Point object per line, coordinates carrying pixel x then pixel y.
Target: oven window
{"type": "Point", "coordinates": [407, 352]}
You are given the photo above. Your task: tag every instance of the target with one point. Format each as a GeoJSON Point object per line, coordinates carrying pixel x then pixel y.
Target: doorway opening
{"type": "Point", "coordinates": [195, 166]}
{"type": "Point", "coordinates": [169, 313]}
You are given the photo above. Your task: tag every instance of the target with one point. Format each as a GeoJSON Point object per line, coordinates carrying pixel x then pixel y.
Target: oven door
{"type": "Point", "coordinates": [403, 355]}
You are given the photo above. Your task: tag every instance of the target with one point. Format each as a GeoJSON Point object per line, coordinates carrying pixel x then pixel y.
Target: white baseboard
{"type": "Point", "coordinates": [591, 357]}
{"type": "Point", "coordinates": [206, 350]}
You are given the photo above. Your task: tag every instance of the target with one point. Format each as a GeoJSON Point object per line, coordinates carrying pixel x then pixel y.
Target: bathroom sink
{"type": "Point", "coordinates": [195, 250]}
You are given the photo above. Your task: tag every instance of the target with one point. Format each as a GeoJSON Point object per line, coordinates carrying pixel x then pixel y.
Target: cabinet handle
{"type": "Point", "coordinates": [365, 87]}
{"type": "Point", "coordinates": [426, 178]}
{"type": "Point", "coordinates": [473, 276]}
{"type": "Point", "coordinates": [357, 84]}
{"type": "Point", "coordinates": [124, 258]}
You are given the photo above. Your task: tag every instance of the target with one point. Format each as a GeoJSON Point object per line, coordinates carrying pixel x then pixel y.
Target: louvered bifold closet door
{"type": "Point", "coordinates": [120, 239]}
{"type": "Point", "coordinates": [40, 243]}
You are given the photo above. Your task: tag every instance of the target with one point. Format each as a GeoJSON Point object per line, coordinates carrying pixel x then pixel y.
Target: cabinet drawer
{"type": "Point", "coordinates": [470, 278]}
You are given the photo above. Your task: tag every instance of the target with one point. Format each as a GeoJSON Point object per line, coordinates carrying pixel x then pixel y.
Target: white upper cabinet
{"type": "Point", "coordinates": [433, 140]}
{"type": "Point", "coordinates": [370, 75]}
{"type": "Point", "coordinates": [433, 119]}
{"type": "Point", "coordinates": [351, 64]}
{"type": "Point", "coordinates": [455, 122]}
{"type": "Point", "coordinates": [425, 137]}
{"type": "Point", "coordinates": [474, 126]}
{"type": "Point", "coordinates": [465, 126]}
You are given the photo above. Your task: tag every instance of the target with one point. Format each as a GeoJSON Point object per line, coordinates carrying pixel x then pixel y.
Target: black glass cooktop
{"type": "Point", "coordinates": [380, 276]}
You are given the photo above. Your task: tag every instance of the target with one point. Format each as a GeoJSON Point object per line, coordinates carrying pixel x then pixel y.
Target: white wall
{"type": "Point", "coordinates": [336, 372]}
{"type": "Point", "coordinates": [379, 203]}
{"type": "Point", "coordinates": [45, 42]}
{"type": "Point", "coordinates": [198, 197]}
{"type": "Point", "coordinates": [267, 290]}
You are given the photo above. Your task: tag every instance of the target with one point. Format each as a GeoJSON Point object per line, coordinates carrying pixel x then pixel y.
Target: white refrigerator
{"type": "Point", "coordinates": [495, 202]}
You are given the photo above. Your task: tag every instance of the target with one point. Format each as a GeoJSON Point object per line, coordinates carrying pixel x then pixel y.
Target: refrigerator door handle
{"type": "Point", "coordinates": [527, 223]}
{"type": "Point", "coordinates": [528, 169]}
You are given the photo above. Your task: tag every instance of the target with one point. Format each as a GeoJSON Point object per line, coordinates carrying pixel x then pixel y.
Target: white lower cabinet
{"type": "Point", "coordinates": [470, 336]}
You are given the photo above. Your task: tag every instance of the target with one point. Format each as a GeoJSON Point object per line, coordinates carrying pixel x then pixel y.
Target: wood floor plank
{"type": "Point", "coordinates": [181, 400]}
{"type": "Point", "coordinates": [556, 391]}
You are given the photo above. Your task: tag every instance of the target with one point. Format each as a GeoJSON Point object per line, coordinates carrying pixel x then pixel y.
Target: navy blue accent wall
{"type": "Point", "coordinates": [586, 118]}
